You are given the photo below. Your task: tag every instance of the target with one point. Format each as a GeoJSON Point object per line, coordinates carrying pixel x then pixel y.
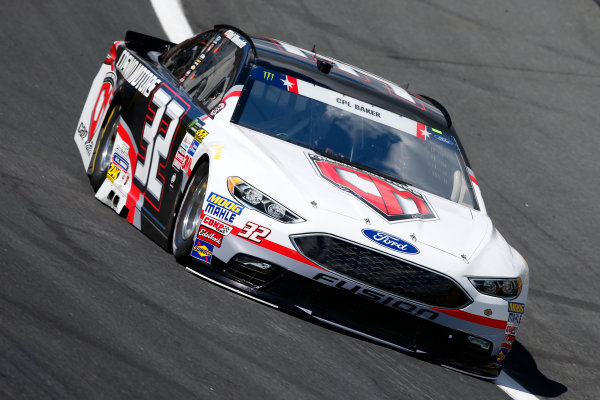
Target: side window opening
{"type": "Point", "coordinates": [205, 66]}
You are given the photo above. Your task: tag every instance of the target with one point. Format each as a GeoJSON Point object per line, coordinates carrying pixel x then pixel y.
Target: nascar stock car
{"type": "Point", "coordinates": [308, 185]}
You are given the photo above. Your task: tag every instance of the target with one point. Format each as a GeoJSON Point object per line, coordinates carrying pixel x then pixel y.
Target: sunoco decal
{"type": "Point", "coordinates": [202, 251]}
{"type": "Point", "coordinates": [389, 241]}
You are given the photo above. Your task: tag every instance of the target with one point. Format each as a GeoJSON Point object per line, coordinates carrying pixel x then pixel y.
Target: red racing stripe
{"type": "Point", "coordinates": [232, 94]}
{"type": "Point", "coordinates": [277, 248]}
{"type": "Point", "coordinates": [477, 319]}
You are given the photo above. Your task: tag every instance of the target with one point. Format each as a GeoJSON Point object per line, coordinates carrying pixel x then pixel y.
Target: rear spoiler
{"type": "Point", "coordinates": [140, 42]}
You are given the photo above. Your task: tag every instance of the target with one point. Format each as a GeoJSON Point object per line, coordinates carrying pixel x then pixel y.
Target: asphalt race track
{"type": "Point", "coordinates": [91, 308]}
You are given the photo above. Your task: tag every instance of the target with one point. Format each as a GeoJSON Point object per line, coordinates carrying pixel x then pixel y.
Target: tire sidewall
{"type": "Point", "coordinates": [108, 135]}
{"type": "Point", "coordinates": [182, 247]}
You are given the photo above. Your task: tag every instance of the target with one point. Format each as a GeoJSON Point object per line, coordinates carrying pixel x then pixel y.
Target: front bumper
{"type": "Point", "coordinates": [344, 310]}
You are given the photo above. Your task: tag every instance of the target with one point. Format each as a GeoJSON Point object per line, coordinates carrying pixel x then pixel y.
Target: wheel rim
{"type": "Point", "coordinates": [191, 219]}
{"type": "Point", "coordinates": [188, 218]}
{"type": "Point", "coordinates": [107, 149]}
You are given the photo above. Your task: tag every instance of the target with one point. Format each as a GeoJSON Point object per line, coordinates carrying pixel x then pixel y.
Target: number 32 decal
{"type": "Point", "coordinates": [159, 129]}
{"type": "Point", "coordinates": [254, 232]}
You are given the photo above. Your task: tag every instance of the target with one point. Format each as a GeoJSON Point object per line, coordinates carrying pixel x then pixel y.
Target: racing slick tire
{"type": "Point", "coordinates": [188, 217]}
{"type": "Point", "coordinates": [104, 150]}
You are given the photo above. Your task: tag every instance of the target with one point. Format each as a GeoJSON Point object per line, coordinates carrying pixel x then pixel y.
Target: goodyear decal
{"type": "Point", "coordinates": [222, 208]}
{"type": "Point", "coordinates": [202, 251]}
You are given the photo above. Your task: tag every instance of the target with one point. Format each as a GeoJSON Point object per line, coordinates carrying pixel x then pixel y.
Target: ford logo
{"type": "Point", "coordinates": [389, 241]}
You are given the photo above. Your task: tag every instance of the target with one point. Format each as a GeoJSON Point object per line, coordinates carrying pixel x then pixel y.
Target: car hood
{"type": "Point", "coordinates": [286, 173]}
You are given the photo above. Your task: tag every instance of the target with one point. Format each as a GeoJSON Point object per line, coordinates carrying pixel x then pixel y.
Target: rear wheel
{"type": "Point", "coordinates": [188, 217]}
{"type": "Point", "coordinates": [104, 150]}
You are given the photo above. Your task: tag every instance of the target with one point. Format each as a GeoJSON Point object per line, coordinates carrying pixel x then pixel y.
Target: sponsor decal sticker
{"type": "Point", "coordinates": [178, 161]}
{"type": "Point", "coordinates": [222, 208]}
{"type": "Point", "coordinates": [235, 38]}
{"type": "Point", "coordinates": [217, 109]}
{"type": "Point", "coordinates": [508, 341]}
{"type": "Point", "coordinates": [83, 134]}
{"type": "Point", "coordinates": [200, 134]}
{"type": "Point", "coordinates": [121, 162]}
{"type": "Point", "coordinates": [217, 225]}
{"type": "Point", "coordinates": [502, 355]}
{"type": "Point", "coordinates": [391, 200]}
{"type": "Point", "coordinates": [511, 330]}
{"type": "Point", "coordinates": [213, 237]}
{"type": "Point", "coordinates": [516, 307]}
{"type": "Point", "coordinates": [113, 173]}
{"type": "Point", "coordinates": [194, 126]}
{"type": "Point", "coordinates": [180, 156]}
{"type": "Point", "coordinates": [282, 81]}
{"type": "Point", "coordinates": [514, 319]}
{"type": "Point", "coordinates": [82, 130]}
{"type": "Point", "coordinates": [137, 74]}
{"type": "Point", "coordinates": [193, 147]}
{"type": "Point", "coordinates": [389, 241]}
{"type": "Point", "coordinates": [202, 251]}
{"type": "Point", "coordinates": [428, 133]}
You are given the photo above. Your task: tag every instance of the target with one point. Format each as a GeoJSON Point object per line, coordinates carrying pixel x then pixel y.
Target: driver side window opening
{"type": "Point", "coordinates": [205, 66]}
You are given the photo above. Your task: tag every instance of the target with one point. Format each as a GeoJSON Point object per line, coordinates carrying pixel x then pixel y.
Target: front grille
{"type": "Point", "coordinates": [382, 271]}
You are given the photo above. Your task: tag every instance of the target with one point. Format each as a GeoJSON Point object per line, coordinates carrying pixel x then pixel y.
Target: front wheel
{"type": "Point", "coordinates": [104, 150]}
{"type": "Point", "coordinates": [188, 217]}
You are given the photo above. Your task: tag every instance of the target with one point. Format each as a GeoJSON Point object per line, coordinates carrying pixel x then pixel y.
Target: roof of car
{"type": "Point", "coordinates": [351, 81]}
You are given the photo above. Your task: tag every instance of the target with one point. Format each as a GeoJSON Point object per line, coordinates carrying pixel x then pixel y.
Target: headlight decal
{"type": "Point", "coordinates": [257, 200]}
{"type": "Point", "coordinates": [506, 288]}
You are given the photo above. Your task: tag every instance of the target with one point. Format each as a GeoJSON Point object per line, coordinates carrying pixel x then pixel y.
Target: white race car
{"type": "Point", "coordinates": [306, 184]}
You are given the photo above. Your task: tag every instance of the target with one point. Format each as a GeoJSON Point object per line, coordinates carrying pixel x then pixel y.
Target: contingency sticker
{"type": "Point", "coordinates": [515, 315]}
{"type": "Point", "coordinates": [210, 236]}
{"type": "Point", "coordinates": [202, 251]}
{"type": "Point", "coordinates": [217, 225]}
{"type": "Point", "coordinates": [222, 208]}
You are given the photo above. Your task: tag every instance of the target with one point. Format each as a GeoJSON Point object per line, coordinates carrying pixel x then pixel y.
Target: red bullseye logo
{"type": "Point", "coordinates": [100, 107]}
{"type": "Point", "coordinates": [391, 201]}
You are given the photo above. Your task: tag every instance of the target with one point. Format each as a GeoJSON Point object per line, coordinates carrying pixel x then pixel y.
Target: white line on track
{"type": "Point", "coordinates": [512, 388]}
{"type": "Point", "coordinates": [172, 19]}
{"type": "Point", "coordinates": [176, 26]}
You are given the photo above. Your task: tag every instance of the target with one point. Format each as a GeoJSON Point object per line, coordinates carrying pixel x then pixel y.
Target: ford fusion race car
{"type": "Point", "coordinates": [308, 185]}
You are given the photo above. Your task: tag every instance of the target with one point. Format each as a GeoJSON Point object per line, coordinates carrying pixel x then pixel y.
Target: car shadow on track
{"type": "Point", "coordinates": [521, 366]}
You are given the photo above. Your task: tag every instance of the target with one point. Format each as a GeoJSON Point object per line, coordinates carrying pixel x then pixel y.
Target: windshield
{"type": "Point", "coordinates": [356, 133]}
